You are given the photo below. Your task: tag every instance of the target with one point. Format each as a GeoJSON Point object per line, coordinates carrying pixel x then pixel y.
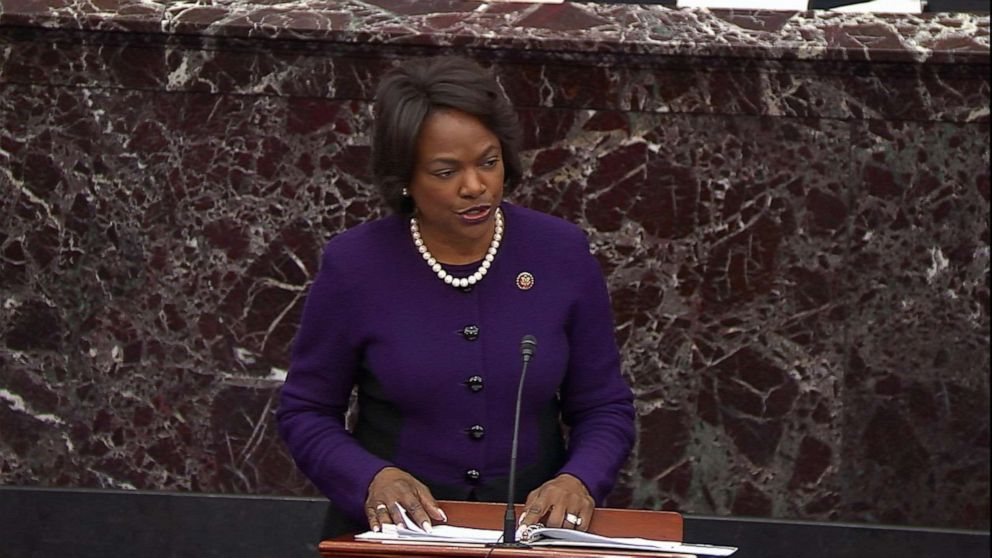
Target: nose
{"type": "Point", "coordinates": [472, 186]}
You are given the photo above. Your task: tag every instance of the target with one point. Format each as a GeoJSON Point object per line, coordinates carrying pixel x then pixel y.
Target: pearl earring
{"type": "Point", "coordinates": [406, 193]}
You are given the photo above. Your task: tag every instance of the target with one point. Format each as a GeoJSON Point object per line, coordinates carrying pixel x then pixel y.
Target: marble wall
{"type": "Point", "coordinates": [791, 209]}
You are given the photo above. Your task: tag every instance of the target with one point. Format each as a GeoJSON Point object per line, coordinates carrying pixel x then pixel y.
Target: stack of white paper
{"type": "Point", "coordinates": [535, 535]}
{"type": "Point", "coordinates": [540, 536]}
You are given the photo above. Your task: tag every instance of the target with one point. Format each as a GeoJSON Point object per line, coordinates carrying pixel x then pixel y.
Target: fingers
{"type": "Point", "coordinates": [415, 511]}
{"type": "Point", "coordinates": [556, 517]}
{"type": "Point", "coordinates": [392, 488]}
{"type": "Point", "coordinates": [578, 520]}
{"type": "Point", "coordinates": [534, 510]}
{"type": "Point", "coordinates": [571, 513]}
{"type": "Point", "coordinates": [431, 507]}
{"type": "Point", "coordinates": [577, 514]}
{"type": "Point", "coordinates": [562, 502]}
{"type": "Point", "coordinates": [377, 516]}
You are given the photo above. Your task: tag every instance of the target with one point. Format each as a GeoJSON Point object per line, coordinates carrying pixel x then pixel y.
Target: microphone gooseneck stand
{"type": "Point", "coordinates": [527, 346]}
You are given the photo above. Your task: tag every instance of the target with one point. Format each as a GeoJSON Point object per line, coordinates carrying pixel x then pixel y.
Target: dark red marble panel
{"type": "Point", "coordinates": [153, 273]}
{"type": "Point", "coordinates": [725, 271]}
{"type": "Point", "coordinates": [573, 27]}
{"type": "Point", "coordinates": [916, 386]}
{"type": "Point", "coordinates": [662, 84]}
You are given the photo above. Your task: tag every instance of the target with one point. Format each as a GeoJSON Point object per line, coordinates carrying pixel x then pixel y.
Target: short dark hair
{"type": "Point", "coordinates": [414, 90]}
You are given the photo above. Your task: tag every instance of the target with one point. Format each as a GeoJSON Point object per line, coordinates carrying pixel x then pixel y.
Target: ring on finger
{"type": "Point", "coordinates": [573, 519]}
{"type": "Point", "coordinates": [381, 508]}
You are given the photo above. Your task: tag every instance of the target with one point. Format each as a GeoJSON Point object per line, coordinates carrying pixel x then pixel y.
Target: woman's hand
{"type": "Point", "coordinates": [561, 502]}
{"type": "Point", "coordinates": [391, 486]}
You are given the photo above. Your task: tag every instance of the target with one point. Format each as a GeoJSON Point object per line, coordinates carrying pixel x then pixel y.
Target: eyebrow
{"type": "Point", "coordinates": [489, 151]}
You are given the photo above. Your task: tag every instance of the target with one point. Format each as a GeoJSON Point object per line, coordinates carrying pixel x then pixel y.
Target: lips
{"type": "Point", "coordinates": [475, 214]}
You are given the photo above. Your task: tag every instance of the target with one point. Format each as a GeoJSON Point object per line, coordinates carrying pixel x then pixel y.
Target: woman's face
{"type": "Point", "coordinates": [457, 184]}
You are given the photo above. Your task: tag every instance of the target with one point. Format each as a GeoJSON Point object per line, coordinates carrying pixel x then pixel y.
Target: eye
{"type": "Point", "coordinates": [490, 163]}
{"type": "Point", "coordinates": [445, 173]}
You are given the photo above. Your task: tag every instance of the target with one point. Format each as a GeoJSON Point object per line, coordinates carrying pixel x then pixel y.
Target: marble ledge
{"type": "Point", "coordinates": [601, 29]}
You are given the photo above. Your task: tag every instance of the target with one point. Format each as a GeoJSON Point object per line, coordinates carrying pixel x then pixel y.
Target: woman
{"type": "Point", "coordinates": [424, 312]}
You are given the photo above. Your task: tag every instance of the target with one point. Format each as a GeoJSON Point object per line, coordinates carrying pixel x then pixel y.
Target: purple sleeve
{"type": "Point", "coordinates": [314, 400]}
{"type": "Point", "coordinates": [597, 403]}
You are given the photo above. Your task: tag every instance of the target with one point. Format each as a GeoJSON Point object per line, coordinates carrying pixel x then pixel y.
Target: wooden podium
{"type": "Point", "coordinates": [606, 521]}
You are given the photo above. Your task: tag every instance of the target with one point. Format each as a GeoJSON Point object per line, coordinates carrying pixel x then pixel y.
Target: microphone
{"type": "Point", "coordinates": [527, 347]}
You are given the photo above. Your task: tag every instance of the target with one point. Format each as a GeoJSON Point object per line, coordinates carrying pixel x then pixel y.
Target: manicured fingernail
{"type": "Point", "coordinates": [521, 520]}
{"type": "Point", "coordinates": [444, 516]}
{"type": "Point", "coordinates": [375, 528]}
{"type": "Point", "coordinates": [427, 526]}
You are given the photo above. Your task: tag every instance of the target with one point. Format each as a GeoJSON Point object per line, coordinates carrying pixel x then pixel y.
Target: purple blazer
{"type": "Point", "coordinates": [437, 368]}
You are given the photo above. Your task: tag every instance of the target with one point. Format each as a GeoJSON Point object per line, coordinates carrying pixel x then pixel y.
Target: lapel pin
{"type": "Point", "coordinates": [525, 281]}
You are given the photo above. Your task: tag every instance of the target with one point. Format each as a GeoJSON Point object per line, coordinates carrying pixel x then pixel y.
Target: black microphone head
{"type": "Point", "coordinates": [528, 345]}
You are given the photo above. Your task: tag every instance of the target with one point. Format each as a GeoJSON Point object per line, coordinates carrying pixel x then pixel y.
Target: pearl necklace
{"type": "Point", "coordinates": [459, 282]}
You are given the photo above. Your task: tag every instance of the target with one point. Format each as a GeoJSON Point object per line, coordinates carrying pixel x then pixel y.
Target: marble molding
{"type": "Point", "coordinates": [791, 210]}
